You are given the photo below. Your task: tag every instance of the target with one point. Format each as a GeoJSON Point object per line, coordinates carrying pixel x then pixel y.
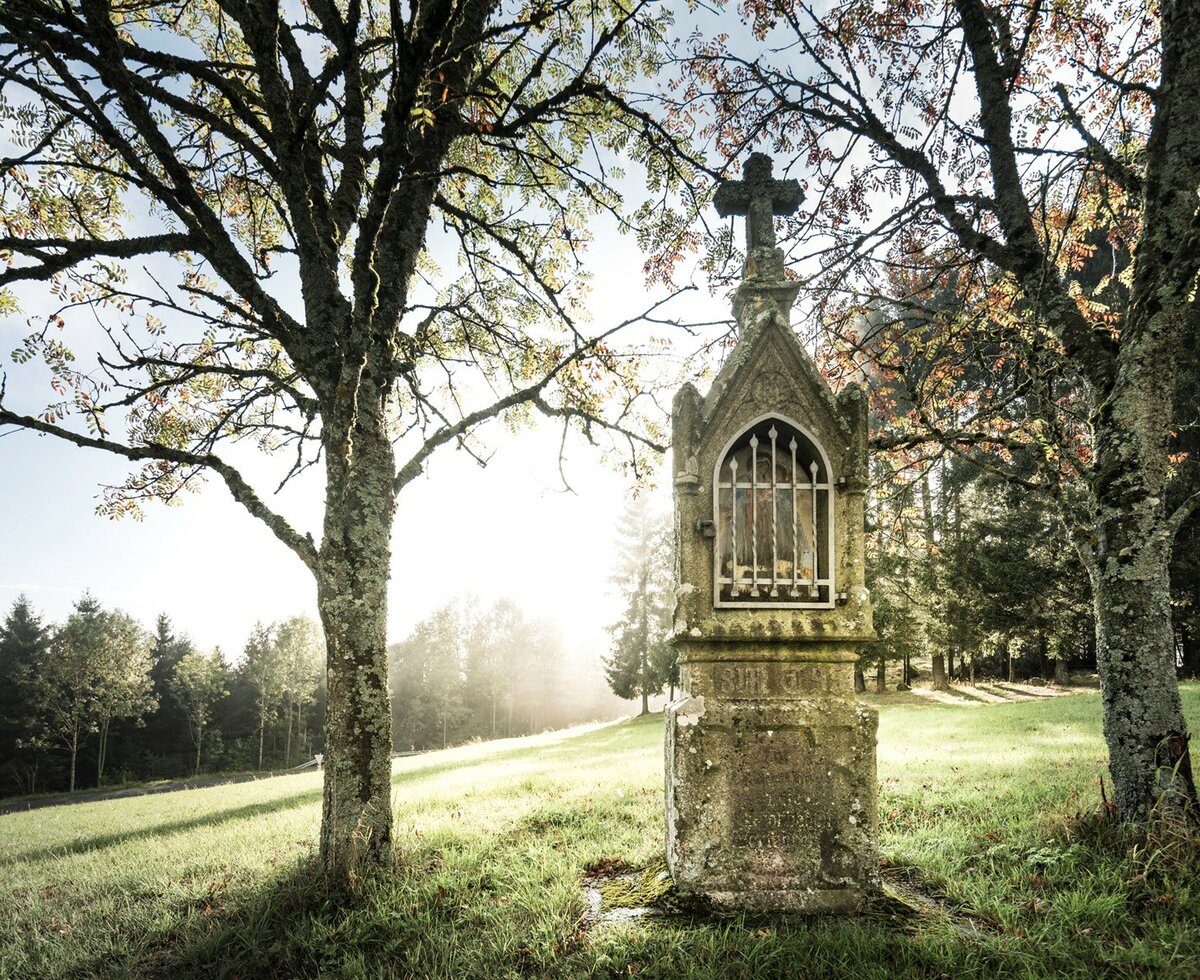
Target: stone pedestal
{"type": "Point", "coordinates": [771, 786]}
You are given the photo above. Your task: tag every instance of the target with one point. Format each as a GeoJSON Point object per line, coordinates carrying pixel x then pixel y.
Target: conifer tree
{"type": "Point", "coordinates": [24, 640]}
{"type": "Point", "coordinates": [642, 662]}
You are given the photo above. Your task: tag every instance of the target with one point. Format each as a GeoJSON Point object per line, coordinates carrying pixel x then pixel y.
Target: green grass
{"type": "Point", "coordinates": [980, 806]}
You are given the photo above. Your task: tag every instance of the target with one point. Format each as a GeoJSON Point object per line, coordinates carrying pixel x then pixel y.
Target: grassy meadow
{"type": "Point", "coordinates": [987, 829]}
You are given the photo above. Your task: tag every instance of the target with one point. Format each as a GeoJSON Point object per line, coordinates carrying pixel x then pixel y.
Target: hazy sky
{"type": "Point", "coordinates": [505, 530]}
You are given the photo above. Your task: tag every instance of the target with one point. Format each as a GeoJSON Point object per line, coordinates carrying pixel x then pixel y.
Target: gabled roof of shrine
{"type": "Point", "coordinates": [768, 347]}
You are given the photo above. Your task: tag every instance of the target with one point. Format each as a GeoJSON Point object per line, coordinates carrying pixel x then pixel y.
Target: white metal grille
{"type": "Point", "coordinates": [773, 503]}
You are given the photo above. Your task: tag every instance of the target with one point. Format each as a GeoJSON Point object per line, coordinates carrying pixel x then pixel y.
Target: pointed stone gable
{"type": "Point", "coordinates": [769, 370]}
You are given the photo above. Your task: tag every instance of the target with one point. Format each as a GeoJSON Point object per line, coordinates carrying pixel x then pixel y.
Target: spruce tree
{"type": "Point", "coordinates": [642, 662]}
{"type": "Point", "coordinates": [23, 640]}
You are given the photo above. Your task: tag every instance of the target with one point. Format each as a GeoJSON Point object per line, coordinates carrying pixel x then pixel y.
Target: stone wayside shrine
{"type": "Point", "coordinates": [770, 760]}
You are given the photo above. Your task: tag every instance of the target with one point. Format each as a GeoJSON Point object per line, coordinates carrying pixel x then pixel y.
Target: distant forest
{"type": "Point", "coordinates": [970, 575]}
{"type": "Point", "coordinates": [99, 700]}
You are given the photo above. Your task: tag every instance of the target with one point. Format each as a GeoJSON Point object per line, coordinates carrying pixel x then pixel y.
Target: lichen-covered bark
{"type": "Point", "coordinates": [1144, 726]}
{"type": "Point", "coordinates": [352, 597]}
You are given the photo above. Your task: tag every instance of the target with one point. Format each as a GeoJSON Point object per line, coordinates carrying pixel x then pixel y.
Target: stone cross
{"type": "Point", "coordinates": [759, 197]}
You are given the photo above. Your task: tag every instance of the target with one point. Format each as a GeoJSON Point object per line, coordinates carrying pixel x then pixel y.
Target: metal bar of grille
{"type": "Point", "coordinates": [795, 525]}
{"type": "Point", "coordinates": [733, 509]}
{"type": "Point", "coordinates": [774, 519]}
{"type": "Point", "coordinates": [812, 591]}
{"type": "Point", "coordinates": [754, 517]}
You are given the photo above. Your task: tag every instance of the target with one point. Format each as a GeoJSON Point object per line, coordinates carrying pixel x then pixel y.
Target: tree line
{"type": "Point", "coordinates": [472, 671]}
{"type": "Point", "coordinates": [99, 700]}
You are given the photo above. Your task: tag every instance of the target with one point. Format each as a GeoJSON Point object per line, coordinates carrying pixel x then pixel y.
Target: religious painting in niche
{"type": "Point", "coordinates": [773, 500]}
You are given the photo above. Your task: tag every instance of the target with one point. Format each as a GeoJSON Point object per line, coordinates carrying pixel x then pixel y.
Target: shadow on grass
{"type": "Point", "coordinates": [101, 841]}
{"type": "Point", "coordinates": [547, 757]}
{"type": "Point", "coordinates": [253, 931]}
{"type": "Point", "coordinates": [298, 923]}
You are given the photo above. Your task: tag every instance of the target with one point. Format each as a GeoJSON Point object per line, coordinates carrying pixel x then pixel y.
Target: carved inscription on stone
{"type": "Point", "coordinates": [782, 791]}
{"type": "Point", "coordinates": [771, 680]}
{"type": "Point", "coordinates": [741, 680]}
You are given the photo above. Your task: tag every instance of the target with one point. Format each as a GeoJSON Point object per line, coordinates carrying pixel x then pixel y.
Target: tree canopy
{"type": "Point", "coordinates": [1008, 190]}
{"type": "Point", "coordinates": [348, 233]}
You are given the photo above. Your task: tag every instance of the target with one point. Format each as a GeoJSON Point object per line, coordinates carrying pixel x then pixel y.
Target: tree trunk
{"type": "Point", "coordinates": [860, 682]}
{"type": "Point", "coordinates": [950, 664]}
{"type": "Point", "coordinates": [972, 669]}
{"type": "Point", "coordinates": [287, 745]}
{"type": "Point", "coordinates": [644, 634]}
{"type": "Point", "coordinates": [1062, 674]}
{"type": "Point", "coordinates": [1191, 649]}
{"type": "Point", "coordinates": [939, 672]}
{"type": "Point", "coordinates": [74, 752]}
{"type": "Point", "coordinates": [880, 676]}
{"type": "Point", "coordinates": [1012, 663]}
{"type": "Point", "coordinates": [199, 742]}
{"type": "Point", "coordinates": [1144, 726]}
{"type": "Point", "coordinates": [262, 728]}
{"type": "Point", "coordinates": [102, 753]}
{"type": "Point", "coordinates": [352, 577]}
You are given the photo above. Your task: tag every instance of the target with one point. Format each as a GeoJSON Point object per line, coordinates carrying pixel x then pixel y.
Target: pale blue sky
{"type": "Point", "coordinates": [504, 530]}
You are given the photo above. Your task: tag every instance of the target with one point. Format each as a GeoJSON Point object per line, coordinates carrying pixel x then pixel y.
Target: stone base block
{"type": "Point", "coordinates": [771, 804]}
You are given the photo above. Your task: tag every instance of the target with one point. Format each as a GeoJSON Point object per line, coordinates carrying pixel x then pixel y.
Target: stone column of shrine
{"type": "Point", "coordinates": [771, 787]}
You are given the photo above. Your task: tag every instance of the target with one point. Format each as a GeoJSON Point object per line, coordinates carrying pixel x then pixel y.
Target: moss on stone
{"type": "Point", "coordinates": [638, 888]}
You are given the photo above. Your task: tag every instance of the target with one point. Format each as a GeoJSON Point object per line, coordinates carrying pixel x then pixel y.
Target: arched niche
{"type": "Point", "coordinates": [773, 514]}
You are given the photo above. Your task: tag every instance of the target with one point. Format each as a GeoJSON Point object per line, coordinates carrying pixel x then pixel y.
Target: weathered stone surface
{"type": "Point", "coordinates": [770, 763]}
{"type": "Point", "coordinates": [772, 803]}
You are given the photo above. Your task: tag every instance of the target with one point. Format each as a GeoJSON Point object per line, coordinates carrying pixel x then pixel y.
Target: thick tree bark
{"type": "Point", "coordinates": [352, 579]}
{"type": "Point", "coordinates": [880, 676]}
{"type": "Point", "coordinates": [939, 672]}
{"type": "Point", "coordinates": [1144, 726]}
